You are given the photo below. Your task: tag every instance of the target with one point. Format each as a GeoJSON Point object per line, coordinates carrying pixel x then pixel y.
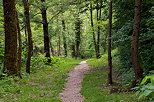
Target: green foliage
{"type": "Point", "coordinates": [146, 78]}
{"type": "Point", "coordinates": [146, 88]}
{"type": "Point", "coordinates": [7, 85]}
{"type": "Point", "coordinates": [1, 55]}
{"type": "Point", "coordinates": [96, 63]}
{"type": "Point", "coordinates": [39, 60]}
{"type": "Point", "coordinates": [122, 37]}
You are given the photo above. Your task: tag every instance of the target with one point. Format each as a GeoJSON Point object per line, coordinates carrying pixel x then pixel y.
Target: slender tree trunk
{"type": "Point", "coordinates": [105, 43]}
{"type": "Point", "coordinates": [52, 50]}
{"type": "Point", "coordinates": [19, 46]}
{"type": "Point", "coordinates": [64, 37]}
{"type": "Point", "coordinates": [10, 55]}
{"type": "Point", "coordinates": [134, 45]}
{"type": "Point", "coordinates": [78, 34]}
{"type": "Point", "coordinates": [28, 26]}
{"type": "Point", "coordinates": [98, 31]}
{"type": "Point", "coordinates": [59, 50]}
{"type": "Point", "coordinates": [73, 50]}
{"type": "Point", "coordinates": [26, 34]}
{"type": "Point", "coordinates": [46, 33]}
{"type": "Point", "coordinates": [109, 46]}
{"type": "Point", "coordinates": [93, 32]}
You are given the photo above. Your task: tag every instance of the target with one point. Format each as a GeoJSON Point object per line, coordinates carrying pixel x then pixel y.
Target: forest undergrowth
{"type": "Point", "coordinates": [96, 89]}
{"type": "Point", "coordinates": [43, 85]}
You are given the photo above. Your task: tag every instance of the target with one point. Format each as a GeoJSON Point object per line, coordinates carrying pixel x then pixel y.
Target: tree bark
{"type": "Point", "coordinates": [78, 34]}
{"type": "Point", "coordinates": [109, 46]}
{"type": "Point", "coordinates": [46, 33]}
{"type": "Point", "coordinates": [26, 35]}
{"type": "Point", "coordinates": [10, 55]}
{"type": "Point", "coordinates": [73, 50]}
{"type": "Point", "coordinates": [28, 26]}
{"type": "Point", "coordinates": [98, 31]}
{"type": "Point", "coordinates": [52, 50]}
{"type": "Point", "coordinates": [64, 37]}
{"type": "Point", "coordinates": [93, 32]}
{"type": "Point", "coordinates": [59, 50]}
{"type": "Point", "coordinates": [19, 46]}
{"type": "Point", "coordinates": [134, 44]}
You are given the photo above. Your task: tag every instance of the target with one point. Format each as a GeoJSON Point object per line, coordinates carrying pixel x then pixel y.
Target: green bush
{"type": "Point", "coordinates": [146, 88]}
{"type": "Point", "coordinates": [40, 61]}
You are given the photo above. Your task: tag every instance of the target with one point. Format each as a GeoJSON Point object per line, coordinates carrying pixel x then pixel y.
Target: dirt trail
{"type": "Point", "coordinates": [73, 86]}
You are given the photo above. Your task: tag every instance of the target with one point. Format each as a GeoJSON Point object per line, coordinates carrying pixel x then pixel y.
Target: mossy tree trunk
{"type": "Point", "coordinates": [10, 56]}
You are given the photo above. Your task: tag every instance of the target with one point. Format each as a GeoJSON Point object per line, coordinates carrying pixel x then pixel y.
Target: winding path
{"type": "Point", "coordinates": [73, 85]}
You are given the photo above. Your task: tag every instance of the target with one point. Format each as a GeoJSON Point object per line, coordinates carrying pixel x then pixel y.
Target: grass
{"type": "Point", "coordinates": [42, 86]}
{"type": "Point", "coordinates": [94, 87]}
{"type": "Point", "coordinates": [97, 63]}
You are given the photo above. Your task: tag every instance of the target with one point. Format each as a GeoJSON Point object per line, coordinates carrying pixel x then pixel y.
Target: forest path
{"type": "Point", "coordinates": [73, 85]}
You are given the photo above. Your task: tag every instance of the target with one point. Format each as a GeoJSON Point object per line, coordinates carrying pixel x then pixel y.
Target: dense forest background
{"type": "Point", "coordinates": [47, 31]}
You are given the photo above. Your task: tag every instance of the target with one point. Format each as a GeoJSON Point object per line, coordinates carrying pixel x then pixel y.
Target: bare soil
{"type": "Point", "coordinates": [71, 92]}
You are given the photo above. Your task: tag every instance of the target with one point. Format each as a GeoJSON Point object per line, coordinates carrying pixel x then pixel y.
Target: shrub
{"type": "Point", "coordinates": [146, 88]}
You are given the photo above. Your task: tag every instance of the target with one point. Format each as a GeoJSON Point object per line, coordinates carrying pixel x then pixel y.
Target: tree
{"type": "Point", "coordinates": [64, 37]}
{"type": "Point", "coordinates": [98, 31]}
{"type": "Point", "coordinates": [109, 46]}
{"type": "Point", "coordinates": [73, 50]}
{"type": "Point", "coordinates": [93, 32]}
{"type": "Point", "coordinates": [10, 56]}
{"type": "Point", "coordinates": [28, 26]}
{"type": "Point", "coordinates": [78, 35]}
{"type": "Point", "coordinates": [46, 32]}
{"type": "Point", "coordinates": [19, 45]}
{"type": "Point", "coordinates": [134, 44]}
{"type": "Point", "coordinates": [58, 45]}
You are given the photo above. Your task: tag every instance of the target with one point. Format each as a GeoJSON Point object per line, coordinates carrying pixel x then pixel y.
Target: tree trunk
{"type": "Point", "coordinates": [93, 32]}
{"type": "Point", "coordinates": [59, 50]}
{"type": "Point", "coordinates": [134, 45]}
{"type": "Point", "coordinates": [52, 50]}
{"type": "Point", "coordinates": [109, 46]}
{"type": "Point", "coordinates": [28, 26]}
{"type": "Point", "coordinates": [98, 32]}
{"type": "Point", "coordinates": [64, 37]}
{"type": "Point", "coordinates": [78, 34]}
{"type": "Point", "coordinates": [73, 50]}
{"type": "Point", "coordinates": [46, 33]}
{"type": "Point", "coordinates": [10, 56]}
{"type": "Point", "coordinates": [19, 46]}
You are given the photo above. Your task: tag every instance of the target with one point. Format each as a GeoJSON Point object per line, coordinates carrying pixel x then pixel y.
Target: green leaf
{"type": "Point", "coordinates": [152, 80]}
{"type": "Point", "coordinates": [145, 79]}
{"type": "Point", "coordinates": [147, 92]}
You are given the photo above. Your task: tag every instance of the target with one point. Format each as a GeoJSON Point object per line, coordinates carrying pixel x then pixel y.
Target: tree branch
{"type": "Point", "coordinates": [54, 16]}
